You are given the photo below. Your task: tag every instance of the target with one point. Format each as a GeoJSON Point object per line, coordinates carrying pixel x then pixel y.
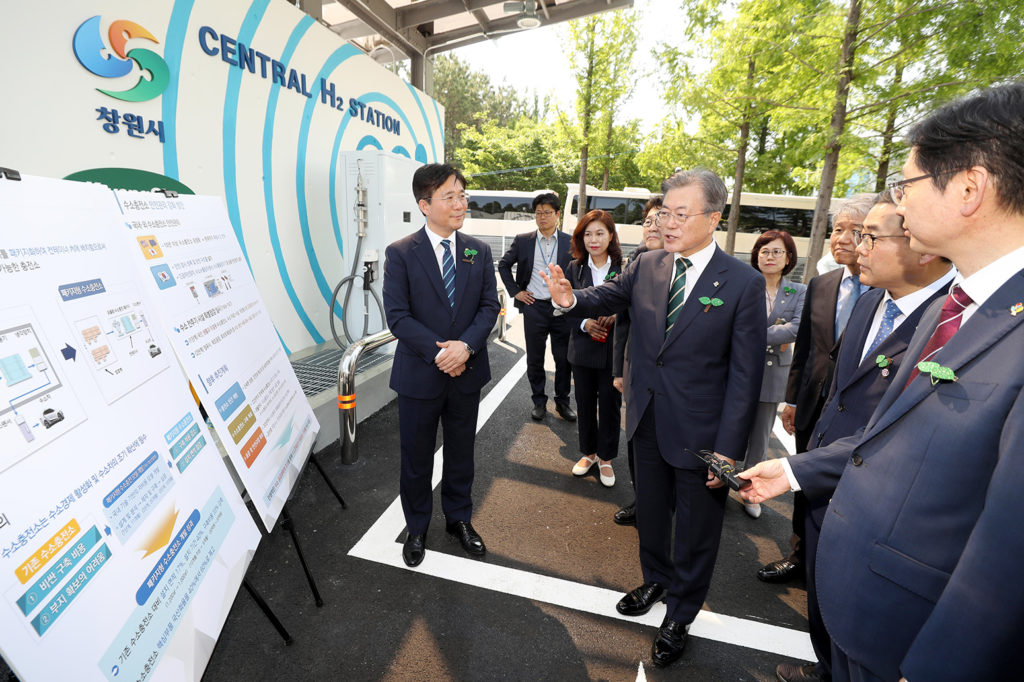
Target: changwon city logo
{"type": "Point", "coordinates": [95, 56]}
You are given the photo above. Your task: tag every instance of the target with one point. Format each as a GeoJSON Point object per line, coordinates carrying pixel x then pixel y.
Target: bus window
{"type": "Point", "coordinates": [796, 221]}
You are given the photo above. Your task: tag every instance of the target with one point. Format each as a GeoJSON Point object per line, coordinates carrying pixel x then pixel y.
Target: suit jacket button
{"type": "Point", "coordinates": [659, 363]}
{"type": "Point", "coordinates": [651, 391]}
{"type": "Point", "coordinates": [857, 460]}
{"type": "Point", "coordinates": [841, 408]}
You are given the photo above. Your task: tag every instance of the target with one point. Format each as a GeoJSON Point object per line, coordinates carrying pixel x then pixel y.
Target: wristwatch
{"type": "Point", "coordinates": [469, 349]}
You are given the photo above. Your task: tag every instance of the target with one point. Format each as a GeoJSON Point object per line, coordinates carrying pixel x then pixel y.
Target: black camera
{"type": "Point", "coordinates": [722, 469]}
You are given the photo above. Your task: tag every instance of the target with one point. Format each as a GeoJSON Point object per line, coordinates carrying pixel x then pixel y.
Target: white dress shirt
{"type": "Point", "coordinates": [907, 305]}
{"type": "Point", "coordinates": [435, 244]}
{"type": "Point", "coordinates": [597, 275]}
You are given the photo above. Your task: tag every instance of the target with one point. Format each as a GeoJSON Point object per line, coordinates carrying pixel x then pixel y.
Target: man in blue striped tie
{"type": "Point", "coordinates": [441, 302]}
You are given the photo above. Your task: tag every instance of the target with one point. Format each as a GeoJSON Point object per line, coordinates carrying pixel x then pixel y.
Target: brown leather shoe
{"type": "Point", "coordinates": [787, 672]}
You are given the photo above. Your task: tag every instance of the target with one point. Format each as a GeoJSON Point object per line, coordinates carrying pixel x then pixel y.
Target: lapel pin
{"type": "Point", "coordinates": [708, 302]}
{"type": "Point", "coordinates": [1016, 308]}
{"type": "Point", "coordinates": [470, 256]}
{"type": "Point", "coordinates": [716, 284]}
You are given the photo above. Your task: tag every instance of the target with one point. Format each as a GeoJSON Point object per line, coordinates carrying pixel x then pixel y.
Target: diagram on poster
{"type": "Point", "coordinates": [113, 334]}
{"type": "Point", "coordinates": [36, 406]}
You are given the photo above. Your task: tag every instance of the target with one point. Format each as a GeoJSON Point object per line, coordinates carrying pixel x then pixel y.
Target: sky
{"type": "Point", "coordinates": [536, 60]}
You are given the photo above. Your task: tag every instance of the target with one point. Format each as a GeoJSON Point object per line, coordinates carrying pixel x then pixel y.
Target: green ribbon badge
{"type": "Point", "coordinates": [1016, 309]}
{"type": "Point", "coordinates": [708, 302]}
{"type": "Point", "coordinates": [609, 276]}
{"type": "Point", "coordinates": [938, 372]}
{"type": "Point", "coordinates": [471, 255]}
{"type": "Point", "coordinates": [883, 361]}
{"type": "Point", "coordinates": [788, 290]}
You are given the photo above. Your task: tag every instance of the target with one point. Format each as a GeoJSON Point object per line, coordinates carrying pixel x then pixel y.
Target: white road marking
{"type": "Point", "coordinates": [379, 545]}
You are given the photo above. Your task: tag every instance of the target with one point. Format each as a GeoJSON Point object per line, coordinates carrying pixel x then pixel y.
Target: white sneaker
{"type": "Point", "coordinates": [583, 466]}
{"type": "Point", "coordinates": [607, 479]}
{"type": "Point", "coordinates": [753, 510]}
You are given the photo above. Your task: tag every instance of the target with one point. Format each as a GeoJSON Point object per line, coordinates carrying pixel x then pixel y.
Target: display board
{"type": "Point", "coordinates": [123, 539]}
{"type": "Point", "coordinates": [190, 260]}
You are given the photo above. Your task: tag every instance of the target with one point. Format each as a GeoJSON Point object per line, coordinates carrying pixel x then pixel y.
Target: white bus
{"type": "Point", "coordinates": [758, 213]}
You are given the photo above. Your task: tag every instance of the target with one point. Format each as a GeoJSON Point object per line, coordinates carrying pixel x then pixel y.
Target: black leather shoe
{"type": "Point", "coordinates": [470, 539]}
{"type": "Point", "coordinates": [781, 571]}
{"type": "Point", "coordinates": [639, 601]}
{"type": "Point", "coordinates": [565, 412]}
{"type": "Point", "coordinates": [669, 644]}
{"type": "Point", "coordinates": [414, 548]}
{"type": "Point", "coordinates": [787, 672]}
{"type": "Point", "coordinates": [626, 516]}
{"type": "Point", "coordinates": [538, 412]}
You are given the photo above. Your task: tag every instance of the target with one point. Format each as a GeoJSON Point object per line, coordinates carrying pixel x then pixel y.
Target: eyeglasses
{"type": "Point", "coordinates": [869, 239]}
{"type": "Point", "coordinates": [648, 222]}
{"type": "Point", "coordinates": [771, 252]}
{"type": "Point", "coordinates": [897, 189]}
{"type": "Point", "coordinates": [664, 217]}
{"type": "Point", "coordinates": [545, 214]}
{"type": "Point", "coordinates": [454, 198]}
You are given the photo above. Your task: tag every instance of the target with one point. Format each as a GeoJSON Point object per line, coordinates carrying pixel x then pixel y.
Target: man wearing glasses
{"type": "Point", "coordinates": [441, 302]}
{"type": "Point", "coordinates": [874, 346]}
{"type": "Point", "coordinates": [920, 552]}
{"type": "Point", "coordinates": [827, 305]}
{"type": "Point", "coordinates": [530, 253]}
{"type": "Point", "coordinates": [697, 343]}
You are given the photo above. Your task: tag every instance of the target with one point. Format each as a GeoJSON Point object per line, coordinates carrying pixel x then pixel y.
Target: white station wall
{"type": "Point", "coordinates": [271, 147]}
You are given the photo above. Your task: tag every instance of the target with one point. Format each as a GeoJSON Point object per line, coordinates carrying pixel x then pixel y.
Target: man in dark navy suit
{"type": "Point", "coordinates": [696, 353]}
{"type": "Point", "coordinates": [919, 560]}
{"type": "Point", "coordinates": [530, 253]}
{"type": "Point", "coordinates": [827, 305]}
{"type": "Point", "coordinates": [876, 336]}
{"type": "Point", "coordinates": [441, 301]}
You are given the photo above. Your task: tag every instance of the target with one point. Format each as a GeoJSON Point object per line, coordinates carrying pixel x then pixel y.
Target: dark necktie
{"type": "Point", "coordinates": [949, 322]}
{"type": "Point", "coordinates": [448, 271]}
{"type": "Point", "coordinates": [892, 311]}
{"type": "Point", "coordinates": [676, 293]}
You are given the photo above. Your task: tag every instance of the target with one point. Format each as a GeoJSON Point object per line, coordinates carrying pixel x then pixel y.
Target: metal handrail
{"type": "Point", "coordinates": [347, 390]}
{"type": "Point", "coordinates": [502, 316]}
{"type": "Point", "coordinates": [347, 382]}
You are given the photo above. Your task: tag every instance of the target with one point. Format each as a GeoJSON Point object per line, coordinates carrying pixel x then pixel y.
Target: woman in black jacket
{"type": "Point", "coordinates": [597, 259]}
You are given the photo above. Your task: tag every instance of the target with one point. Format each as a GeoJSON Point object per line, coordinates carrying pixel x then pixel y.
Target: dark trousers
{"type": "Point", "coordinates": [539, 322]}
{"type": "Point", "coordinates": [662, 490]}
{"type": "Point", "coordinates": [814, 515]}
{"type": "Point", "coordinates": [598, 411]}
{"type": "Point", "coordinates": [417, 421]}
{"type": "Point", "coordinates": [798, 554]}
{"type": "Point", "coordinates": [847, 670]}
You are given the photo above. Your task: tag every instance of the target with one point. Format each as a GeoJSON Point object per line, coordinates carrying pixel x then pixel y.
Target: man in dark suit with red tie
{"type": "Point", "coordinates": [697, 340]}
{"type": "Point", "coordinates": [530, 253]}
{"type": "Point", "coordinates": [881, 324]}
{"type": "Point", "coordinates": [919, 557]}
{"type": "Point", "coordinates": [827, 305]}
{"type": "Point", "coordinates": [441, 302]}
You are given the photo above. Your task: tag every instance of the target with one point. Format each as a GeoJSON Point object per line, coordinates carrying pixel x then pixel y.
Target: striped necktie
{"type": "Point", "coordinates": [676, 293]}
{"type": "Point", "coordinates": [892, 311]}
{"type": "Point", "coordinates": [448, 270]}
{"type": "Point", "coordinates": [949, 322]}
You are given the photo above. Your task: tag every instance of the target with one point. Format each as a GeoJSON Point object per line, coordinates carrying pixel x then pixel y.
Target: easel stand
{"type": "Point", "coordinates": [289, 525]}
{"type": "Point", "coordinates": [267, 612]}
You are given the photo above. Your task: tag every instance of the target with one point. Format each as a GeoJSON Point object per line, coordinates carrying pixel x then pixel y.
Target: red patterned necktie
{"type": "Point", "coordinates": [949, 322]}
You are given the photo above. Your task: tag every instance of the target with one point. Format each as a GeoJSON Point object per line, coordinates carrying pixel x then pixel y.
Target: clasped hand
{"type": "Point", "coordinates": [453, 360]}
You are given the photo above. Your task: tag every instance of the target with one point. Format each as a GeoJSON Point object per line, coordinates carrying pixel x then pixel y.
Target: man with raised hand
{"type": "Point", "coordinates": [697, 341]}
